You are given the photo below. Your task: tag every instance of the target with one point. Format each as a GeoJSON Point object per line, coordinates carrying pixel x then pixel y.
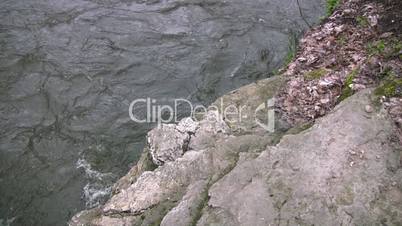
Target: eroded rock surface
{"type": "Point", "coordinates": [343, 171]}
{"type": "Point", "coordinates": [169, 141]}
{"type": "Point", "coordinates": [178, 187]}
{"type": "Point", "coordinates": [346, 170]}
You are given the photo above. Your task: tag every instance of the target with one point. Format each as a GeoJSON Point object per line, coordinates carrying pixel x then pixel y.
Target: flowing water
{"type": "Point", "coordinates": [70, 68]}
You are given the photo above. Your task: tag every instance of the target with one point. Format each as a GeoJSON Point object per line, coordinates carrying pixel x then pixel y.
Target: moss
{"type": "Point", "coordinates": [395, 48]}
{"type": "Point", "coordinates": [292, 49]}
{"type": "Point", "coordinates": [300, 128]}
{"type": "Point", "coordinates": [274, 72]}
{"type": "Point", "coordinates": [362, 21]}
{"type": "Point", "coordinates": [391, 87]}
{"type": "Point", "coordinates": [315, 74]}
{"type": "Point", "coordinates": [376, 48]}
{"type": "Point", "coordinates": [341, 40]}
{"type": "Point", "coordinates": [266, 89]}
{"type": "Point", "coordinates": [155, 215]}
{"type": "Point", "coordinates": [331, 6]}
{"type": "Point", "coordinates": [201, 205]}
{"type": "Point", "coordinates": [347, 89]}
{"type": "Point", "coordinates": [387, 48]}
{"type": "Point", "coordinates": [386, 73]}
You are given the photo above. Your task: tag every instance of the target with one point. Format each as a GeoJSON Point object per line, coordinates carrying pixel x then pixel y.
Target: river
{"type": "Point", "coordinates": [69, 69]}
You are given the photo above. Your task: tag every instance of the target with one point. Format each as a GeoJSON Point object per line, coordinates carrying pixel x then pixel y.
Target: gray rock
{"type": "Point", "coordinates": [187, 125]}
{"type": "Point", "coordinates": [184, 213]}
{"type": "Point", "coordinates": [247, 100]}
{"type": "Point", "coordinates": [167, 192]}
{"type": "Point", "coordinates": [170, 141]}
{"type": "Point", "coordinates": [345, 170]}
{"type": "Point", "coordinates": [145, 163]}
{"type": "Point", "coordinates": [369, 108]}
{"type": "Point", "coordinates": [152, 188]}
{"type": "Point", "coordinates": [308, 178]}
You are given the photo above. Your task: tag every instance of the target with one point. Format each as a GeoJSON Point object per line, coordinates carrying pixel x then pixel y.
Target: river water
{"type": "Point", "coordinates": [70, 68]}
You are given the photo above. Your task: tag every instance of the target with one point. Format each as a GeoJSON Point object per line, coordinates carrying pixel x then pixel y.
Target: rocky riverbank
{"type": "Point", "coordinates": [334, 158]}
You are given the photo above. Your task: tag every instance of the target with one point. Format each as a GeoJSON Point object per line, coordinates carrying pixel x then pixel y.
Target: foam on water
{"type": "Point", "coordinates": [99, 186]}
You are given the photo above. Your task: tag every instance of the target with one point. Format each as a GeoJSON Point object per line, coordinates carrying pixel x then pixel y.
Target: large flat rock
{"type": "Point", "coordinates": [345, 170]}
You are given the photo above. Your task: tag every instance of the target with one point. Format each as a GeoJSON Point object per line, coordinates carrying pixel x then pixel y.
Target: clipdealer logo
{"type": "Point", "coordinates": [264, 114]}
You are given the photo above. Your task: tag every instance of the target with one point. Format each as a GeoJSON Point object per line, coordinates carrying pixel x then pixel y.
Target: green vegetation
{"type": "Point", "coordinates": [386, 73]}
{"type": "Point", "coordinates": [387, 49]}
{"type": "Point", "coordinates": [376, 48]}
{"type": "Point", "coordinates": [292, 50]}
{"type": "Point", "coordinates": [347, 89]}
{"type": "Point", "coordinates": [315, 74]}
{"type": "Point", "coordinates": [362, 21]}
{"type": "Point", "coordinates": [201, 205]}
{"type": "Point", "coordinates": [331, 6]}
{"type": "Point", "coordinates": [391, 87]}
{"type": "Point", "coordinates": [300, 128]}
{"type": "Point", "coordinates": [290, 55]}
{"type": "Point", "coordinates": [395, 48]}
{"type": "Point", "coordinates": [341, 41]}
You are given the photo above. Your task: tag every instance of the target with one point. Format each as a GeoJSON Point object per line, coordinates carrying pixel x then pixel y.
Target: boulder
{"type": "Point", "coordinates": [169, 141]}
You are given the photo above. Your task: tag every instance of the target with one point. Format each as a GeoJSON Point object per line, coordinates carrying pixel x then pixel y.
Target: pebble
{"type": "Point", "coordinates": [386, 35]}
{"type": "Point", "coordinates": [347, 11]}
{"type": "Point", "coordinates": [324, 101]}
{"type": "Point", "coordinates": [302, 59]}
{"type": "Point", "coordinates": [369, 109]}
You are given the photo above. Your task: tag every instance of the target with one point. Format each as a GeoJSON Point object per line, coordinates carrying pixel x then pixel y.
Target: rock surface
{"type": "Point", "coordinates": [346, 170]}
{"type": "Point", "coordinates": [169, 141]}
